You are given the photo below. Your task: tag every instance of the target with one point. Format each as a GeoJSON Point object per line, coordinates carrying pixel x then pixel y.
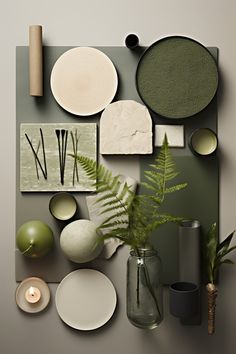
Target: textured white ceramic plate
{"type": "Point", "coordinates": [84, 81]}
{"type": "Point", "coordinates": [85, 299]}
{"type": "Point", "coordinates": [20, 295]}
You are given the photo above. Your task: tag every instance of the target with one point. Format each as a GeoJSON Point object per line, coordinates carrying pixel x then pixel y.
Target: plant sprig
{"type": "Point", "coordinates": [215, 252]}
{"type": "Point", "coordinates": [130, 217]}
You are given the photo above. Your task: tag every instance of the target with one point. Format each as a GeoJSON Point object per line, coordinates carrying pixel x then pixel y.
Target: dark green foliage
{"type": "Point", "coordinates": [215, 252]}
{"type": "Point", "coordinates": [129, 217]}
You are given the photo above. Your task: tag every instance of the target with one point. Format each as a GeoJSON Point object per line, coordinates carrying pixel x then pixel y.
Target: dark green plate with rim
{"type": "Point", "coordinates": [177, 77]}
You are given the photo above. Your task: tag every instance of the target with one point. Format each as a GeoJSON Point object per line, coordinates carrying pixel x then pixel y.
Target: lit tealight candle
{"type": "Point", "coordinates": [32, 295]}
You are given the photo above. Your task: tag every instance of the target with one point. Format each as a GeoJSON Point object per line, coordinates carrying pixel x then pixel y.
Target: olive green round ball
{"type": "Point", "coordinates": [34, 239]}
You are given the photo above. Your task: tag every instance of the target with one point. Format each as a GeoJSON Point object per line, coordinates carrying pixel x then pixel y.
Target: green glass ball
{"type": "Point", "coordinates": [34, 239]}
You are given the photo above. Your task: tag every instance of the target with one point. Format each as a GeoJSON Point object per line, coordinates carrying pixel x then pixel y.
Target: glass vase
{"type": "Point", "coordinates": [144, 289]}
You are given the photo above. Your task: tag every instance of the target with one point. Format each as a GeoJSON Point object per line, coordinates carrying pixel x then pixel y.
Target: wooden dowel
{"type": "Point", "coordinates": [35, 61]}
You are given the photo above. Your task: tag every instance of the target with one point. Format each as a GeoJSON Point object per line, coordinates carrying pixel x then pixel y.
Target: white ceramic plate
{"type": "Point", "coordinates": [84, 81]}
{"type": "Point", "coordinates": [85, 299]}
{"type": "Point", "coordinates": [20, 295]}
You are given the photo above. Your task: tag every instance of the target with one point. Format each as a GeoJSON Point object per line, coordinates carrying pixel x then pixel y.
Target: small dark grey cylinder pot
{"type": "Point", "coordinates": [184, 299]}
{"type": "Point", "coordinates": [131, 41]}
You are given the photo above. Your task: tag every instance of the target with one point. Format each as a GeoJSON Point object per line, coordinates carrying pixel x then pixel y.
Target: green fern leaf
{"type": "Point", "coordinates": [129, 217]}
{"type": "Point", "coordinates": [175, 188]}
{"type": "Point", "coordinates": [105, 196]}
{"type": "Point", "coordinates": [113, 208]}
{"type": "Point", "coordinates": [113, 224]}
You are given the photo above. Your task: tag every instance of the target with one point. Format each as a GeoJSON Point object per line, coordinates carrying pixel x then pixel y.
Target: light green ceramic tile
{"type": "Point", "coordinates": [32, 178]}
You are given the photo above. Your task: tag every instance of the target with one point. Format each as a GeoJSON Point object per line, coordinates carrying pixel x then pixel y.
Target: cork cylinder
{"type": "Point", "coordinates": [35, 61]}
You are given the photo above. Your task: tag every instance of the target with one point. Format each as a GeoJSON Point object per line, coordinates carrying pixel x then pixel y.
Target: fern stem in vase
{"type": "Point", "coordinates": [142, 266]}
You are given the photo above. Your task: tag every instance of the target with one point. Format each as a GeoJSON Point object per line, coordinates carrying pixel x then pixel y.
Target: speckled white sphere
{"type": "Point", "coordinates": [80, 241]}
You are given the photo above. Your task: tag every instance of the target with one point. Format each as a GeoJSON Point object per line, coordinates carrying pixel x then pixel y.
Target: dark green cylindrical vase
{"type": "Point", "coordinates": [144, 289]}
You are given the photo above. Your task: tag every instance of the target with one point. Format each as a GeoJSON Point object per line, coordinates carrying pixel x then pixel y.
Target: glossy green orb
{"type": "Point", "coordinates": [34, 239]}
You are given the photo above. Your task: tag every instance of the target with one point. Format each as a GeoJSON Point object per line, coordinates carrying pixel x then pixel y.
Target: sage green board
{"type": "Point", "coordinates": [198, 201]}
{"type": "Point", "coordinates": [44, 109]}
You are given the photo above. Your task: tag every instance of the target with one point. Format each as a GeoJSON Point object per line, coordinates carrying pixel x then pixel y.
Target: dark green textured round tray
{"type": "Point", "coordinates": [177, 77]}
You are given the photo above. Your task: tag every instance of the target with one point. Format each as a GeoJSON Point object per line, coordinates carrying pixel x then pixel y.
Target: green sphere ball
{"type": "Point", "coordinates": [34, 239]}
{"type": "Point", "coordinates": [80, 241]}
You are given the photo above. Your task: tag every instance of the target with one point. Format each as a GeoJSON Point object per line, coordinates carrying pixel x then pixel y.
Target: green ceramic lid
{"type": "Point", "coordinates": [177, 77]}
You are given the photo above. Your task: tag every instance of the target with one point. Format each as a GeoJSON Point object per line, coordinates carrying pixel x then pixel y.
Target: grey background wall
{"type": "Point", "coordinates": [106, 22]}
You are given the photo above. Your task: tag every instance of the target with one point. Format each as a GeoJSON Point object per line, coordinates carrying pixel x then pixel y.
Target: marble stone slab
{"type": "Point", "coordinates": [126, 128]}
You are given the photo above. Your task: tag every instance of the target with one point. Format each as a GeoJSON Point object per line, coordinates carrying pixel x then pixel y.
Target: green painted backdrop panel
{"type": "Point", "coordinates": [198, 201]}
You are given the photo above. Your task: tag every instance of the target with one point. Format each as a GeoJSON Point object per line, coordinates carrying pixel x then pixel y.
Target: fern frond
{"type": "Point", "coordinates": [175, 188]}
{"type": "Point", "coordinates": [109, 188]}
{"type": "Point", "coordinates": [116, 216]}
{"type": "Point", "coordinates": [112, 202]}
{"type": "Point", "coordinates": [153, 198]}
{"type": "Point", "coordinates": [108, 195]}
{"type": "Point", "coordinates": [116, 232]}
{"type": "Point", "coordinates": [130, 217]}
{"type": "Point", "coordinates": [149, 186]}
{"type": "Point", "coordinates": [113, 224]}
{"type": "Point", "coordinates": [113, 208]}
{"type": "Point", "coordinates": [88, 165]}
{"type": "Point", "coordinates": [162, 171]}
{"type": "Point", "coordinates": [124, 191]}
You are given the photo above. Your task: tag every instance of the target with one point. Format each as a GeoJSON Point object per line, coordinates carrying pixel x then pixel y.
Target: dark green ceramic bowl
{"type": "Point", "coordinates": [177, 77]}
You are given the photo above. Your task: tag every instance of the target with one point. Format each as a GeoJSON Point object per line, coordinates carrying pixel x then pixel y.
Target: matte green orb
{"type": "Point", "coordinates": [34, 239]}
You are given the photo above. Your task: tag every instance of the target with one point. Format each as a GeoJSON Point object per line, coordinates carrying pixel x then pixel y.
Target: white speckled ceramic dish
{"type": "Point", "coordinates": [85, 299]}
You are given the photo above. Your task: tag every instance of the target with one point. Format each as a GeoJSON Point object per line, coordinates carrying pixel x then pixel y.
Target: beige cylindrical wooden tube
{"type": "Point", "coordinates": [35, 61]}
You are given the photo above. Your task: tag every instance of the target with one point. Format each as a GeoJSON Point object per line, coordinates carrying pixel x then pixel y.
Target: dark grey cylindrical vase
{"type": "Point", "coordinates": [189, 251]}
{"type": "Point", "coordinates": [190, 261]}
{"type": "Point", "coordinates": [184, 299]}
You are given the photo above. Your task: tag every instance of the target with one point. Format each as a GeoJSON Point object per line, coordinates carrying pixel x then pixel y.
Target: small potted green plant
{"type": "Point", "coordinates": [215, 253]}
{"type": "Point", "coordinates": [132, 218]}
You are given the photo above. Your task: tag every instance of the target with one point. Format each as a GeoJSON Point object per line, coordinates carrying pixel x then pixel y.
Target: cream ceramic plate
{"type": "Point", "coordinates": [24, 286]}
{"type": "Point", "coordinates": [84, 81]}
{"type": "Point", "coordinates": [85, 299]}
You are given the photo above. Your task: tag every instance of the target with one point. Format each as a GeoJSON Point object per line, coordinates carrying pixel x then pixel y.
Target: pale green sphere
{"type": "Point", "coordinates": [80, 241]}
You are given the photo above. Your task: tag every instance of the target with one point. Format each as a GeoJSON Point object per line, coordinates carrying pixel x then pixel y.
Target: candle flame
{"type": "Point", "coordinates": [31, 291]}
